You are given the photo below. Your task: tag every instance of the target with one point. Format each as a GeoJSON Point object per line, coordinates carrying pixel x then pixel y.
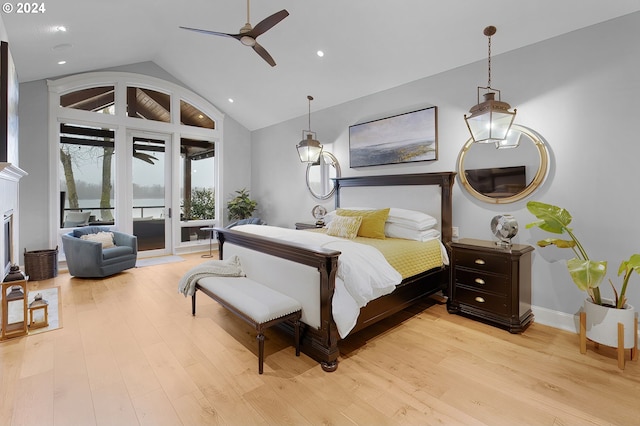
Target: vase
{"type": "Point", "coordinates": [602, 323]}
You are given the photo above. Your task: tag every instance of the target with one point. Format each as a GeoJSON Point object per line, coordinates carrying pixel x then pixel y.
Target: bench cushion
{"type": "Point", "coordinates": [257, 301]}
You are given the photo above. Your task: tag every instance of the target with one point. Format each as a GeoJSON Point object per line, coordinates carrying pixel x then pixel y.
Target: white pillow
{"type": "Point", "coordinates": [411, 219]}
{"type": "Point", "coordinates": [106, 238]}
{"type": "Point", "coordinates": [394, 230]}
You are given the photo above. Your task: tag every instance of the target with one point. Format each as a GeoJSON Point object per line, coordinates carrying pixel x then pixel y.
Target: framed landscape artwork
{"type": "Point", "coordinates": [403, 138]}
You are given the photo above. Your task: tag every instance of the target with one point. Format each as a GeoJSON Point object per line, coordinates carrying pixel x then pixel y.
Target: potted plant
{"type": "Point", "coordinates": [241, 206]}
{"type": "Point", "coordinates": [588, 274]}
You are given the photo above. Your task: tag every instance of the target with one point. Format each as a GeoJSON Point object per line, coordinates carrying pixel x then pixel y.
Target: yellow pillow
{"type": "Point", "coordinates": [345, 227]}
{"type": "Point", "coordinates": [372, 221]}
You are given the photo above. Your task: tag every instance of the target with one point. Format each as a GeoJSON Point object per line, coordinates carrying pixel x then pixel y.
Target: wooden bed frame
{"type": "Point", "coordinates": [321, 344]}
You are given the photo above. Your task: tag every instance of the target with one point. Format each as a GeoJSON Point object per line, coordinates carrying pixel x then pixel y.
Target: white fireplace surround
{"type": "Point", "coordinates": [10, 175]}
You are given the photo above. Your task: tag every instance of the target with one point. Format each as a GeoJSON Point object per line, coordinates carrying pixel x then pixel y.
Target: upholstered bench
{"type": "Point", "coordinates": [255, 303]}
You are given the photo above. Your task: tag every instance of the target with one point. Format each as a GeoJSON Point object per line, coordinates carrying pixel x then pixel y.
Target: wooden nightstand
{"type": "Point", "coordinates": [491, 283]}
{"type": "Point", "coordinates": [307, 225]}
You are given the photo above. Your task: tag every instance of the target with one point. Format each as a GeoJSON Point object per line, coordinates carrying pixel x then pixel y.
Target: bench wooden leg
{"type": "Point", "coordinates": [193, 305]}
{"type": "Point", "coordinates": [260, 338]}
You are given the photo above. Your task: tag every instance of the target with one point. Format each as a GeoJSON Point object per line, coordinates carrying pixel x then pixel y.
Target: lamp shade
{"type": "Point", "coordinates": [309, 149]}
{"type": "Point", "coordinates": [490, 121]}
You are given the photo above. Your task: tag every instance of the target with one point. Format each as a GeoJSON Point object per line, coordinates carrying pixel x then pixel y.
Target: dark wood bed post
{"type": "Point", "coordinates": [320, 344]}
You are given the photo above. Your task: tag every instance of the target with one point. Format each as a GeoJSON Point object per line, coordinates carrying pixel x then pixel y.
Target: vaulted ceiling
{"type": "Point", "coordinates": [369, 45]}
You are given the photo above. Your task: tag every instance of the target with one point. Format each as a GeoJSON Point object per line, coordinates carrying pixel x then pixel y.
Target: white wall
{"type": "Point", "coordinates": [579, 91]}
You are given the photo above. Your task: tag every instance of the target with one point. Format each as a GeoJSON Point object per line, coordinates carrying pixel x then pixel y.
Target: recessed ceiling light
{"type": "Point", "coordinates": [320, 53]}
{"type": "Point", "coordinates": [62, 62]}
{"type": "Point", "coordinates": [230, 100]}
{"type": "Point", "coordinates": [61, 29]}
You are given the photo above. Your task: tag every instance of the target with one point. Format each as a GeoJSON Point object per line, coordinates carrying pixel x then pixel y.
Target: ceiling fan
{"type": "Point", "coordinates": [248, 34]}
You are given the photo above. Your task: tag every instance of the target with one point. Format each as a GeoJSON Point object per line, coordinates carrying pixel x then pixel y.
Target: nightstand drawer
{"type": "Point", "coordinates": [481, 300]}
{"type": "Point", "coordinates": [487, 282]}
{"type": "Point", "coordinates": [482, 261]}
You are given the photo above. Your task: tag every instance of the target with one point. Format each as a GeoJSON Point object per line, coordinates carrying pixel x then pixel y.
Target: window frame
{"type": "Point", "coordinates": [121, 123]}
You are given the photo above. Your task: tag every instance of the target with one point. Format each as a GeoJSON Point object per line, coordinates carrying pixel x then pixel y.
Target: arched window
{"type": "Point", "coordinates": [137, 153]}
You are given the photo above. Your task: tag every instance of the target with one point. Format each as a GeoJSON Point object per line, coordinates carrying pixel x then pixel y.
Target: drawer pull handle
{"type": "Point", "coordinates": [479, 299]}
{"type": "Point", "coordinates": [479, 261]}
{"type": "Point", "coordinates": [479, 281]}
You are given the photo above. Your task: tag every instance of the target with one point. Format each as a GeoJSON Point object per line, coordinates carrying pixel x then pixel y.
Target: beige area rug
{"type": "Point", "coordinates": [51, 295]}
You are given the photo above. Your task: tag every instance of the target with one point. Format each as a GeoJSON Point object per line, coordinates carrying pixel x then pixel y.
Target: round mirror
{"type": "Point", "coordinates": [320, 175]}
{"type": "Point", "coordinates": [506, 173]}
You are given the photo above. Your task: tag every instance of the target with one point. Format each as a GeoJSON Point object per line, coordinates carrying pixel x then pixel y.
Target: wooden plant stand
{"type": "Point", "coordinates": [621, 357]}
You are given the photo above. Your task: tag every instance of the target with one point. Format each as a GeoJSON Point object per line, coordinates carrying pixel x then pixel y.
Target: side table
{"type": "Point", "coordinates": [210, 229]}
{"type": "Point", "coordinates": [491, 283]}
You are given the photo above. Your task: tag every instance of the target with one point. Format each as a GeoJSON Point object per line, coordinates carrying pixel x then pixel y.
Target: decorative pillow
{"type": "Point", "coordinates": [411, 219]}
{"type": "Point", "coordinates": [345, 227]}
{"type": "Point", "coordinates": [372, 221]}
{"type": "Point", "coordinates": [106, 238]}
{"type": "Point", "coordinates": [393, 230]}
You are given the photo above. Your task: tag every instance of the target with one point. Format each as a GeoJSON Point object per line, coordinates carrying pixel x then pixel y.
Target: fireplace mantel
{"type": "Point", "coordinates": [10, 172]}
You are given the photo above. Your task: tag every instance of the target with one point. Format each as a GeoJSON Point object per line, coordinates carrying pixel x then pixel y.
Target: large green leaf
{"type": "Point", "coordinates": [557, 242]}
{"type": "Point", "coordinates": [632, 264]}
{"type": "Point", "coordinates": [551, 218]}
{"type": "Point", "coordinates": [587, 273]}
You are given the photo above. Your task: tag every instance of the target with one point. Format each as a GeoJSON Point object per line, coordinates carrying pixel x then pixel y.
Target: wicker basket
{"type": "Point", "coordinates": [41, 264]}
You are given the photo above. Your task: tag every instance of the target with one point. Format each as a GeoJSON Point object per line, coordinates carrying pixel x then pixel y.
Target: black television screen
{"type": "Point", "coordinates": [498, 182]}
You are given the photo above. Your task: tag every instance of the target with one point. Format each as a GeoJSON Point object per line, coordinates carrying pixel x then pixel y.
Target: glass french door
{"type": "Point", "coordinates": [151, 191]}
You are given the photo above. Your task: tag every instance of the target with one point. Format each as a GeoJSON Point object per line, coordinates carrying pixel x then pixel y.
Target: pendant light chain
{"type": "Point", "coordinates": [489, 82]}
{"type": "Point", "coordinates": [310, 99]}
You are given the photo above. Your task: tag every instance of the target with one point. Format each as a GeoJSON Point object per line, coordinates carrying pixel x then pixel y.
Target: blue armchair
{"type": "Point", "coordinates": [88, 259]}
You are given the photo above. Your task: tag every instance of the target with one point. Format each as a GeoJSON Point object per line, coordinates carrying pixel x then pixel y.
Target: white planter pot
{"type": "Point", "coordinates": [602, 323]}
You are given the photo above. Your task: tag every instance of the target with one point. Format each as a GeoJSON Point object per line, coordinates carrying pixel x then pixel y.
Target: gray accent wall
{"type": "Point", "coordinates": [580, 91]}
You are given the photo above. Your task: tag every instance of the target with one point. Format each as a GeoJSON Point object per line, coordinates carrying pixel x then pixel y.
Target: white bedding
{"type": "Point", "coordinates": [363, 273]}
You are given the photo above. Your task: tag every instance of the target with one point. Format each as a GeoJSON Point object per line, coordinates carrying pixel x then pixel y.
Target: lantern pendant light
{"type": "Point", "coordinates": [309, 149]}
{"type": "Point", "coordinates": [490, 121]}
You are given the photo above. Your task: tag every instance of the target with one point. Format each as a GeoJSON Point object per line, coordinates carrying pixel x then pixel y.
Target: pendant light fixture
{"type": "Point", "coordinates": [490, 121]}
{"type": "Point", "coordinates": [309, 149]}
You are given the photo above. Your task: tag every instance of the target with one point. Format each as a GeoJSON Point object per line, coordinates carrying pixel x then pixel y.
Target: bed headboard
{"type": "Point", "coordinates": [443, 179]}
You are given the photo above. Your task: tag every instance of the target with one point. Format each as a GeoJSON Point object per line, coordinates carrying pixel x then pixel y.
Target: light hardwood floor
{"type": "Point", "coordinates": [130, 353]}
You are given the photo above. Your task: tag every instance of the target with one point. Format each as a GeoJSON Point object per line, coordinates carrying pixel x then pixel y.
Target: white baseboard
{"type": "Point", "coordinates": [555, 319]}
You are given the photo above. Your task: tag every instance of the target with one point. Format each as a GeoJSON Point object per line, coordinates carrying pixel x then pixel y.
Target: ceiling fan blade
{"type": "Point", "coordinates": [264, 54]}
{"type": "Point", "coordinates": [267, 23]}
{"type": "Point", "coordinates": [236, 36]}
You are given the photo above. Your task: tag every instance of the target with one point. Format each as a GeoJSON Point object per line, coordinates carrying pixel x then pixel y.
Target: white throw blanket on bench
{"type": "Point", "coordinates": [221, 268]}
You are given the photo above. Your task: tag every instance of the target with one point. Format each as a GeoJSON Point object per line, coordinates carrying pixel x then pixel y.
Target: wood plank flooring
{"type": "Point", "coordinates": [130, 353]}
